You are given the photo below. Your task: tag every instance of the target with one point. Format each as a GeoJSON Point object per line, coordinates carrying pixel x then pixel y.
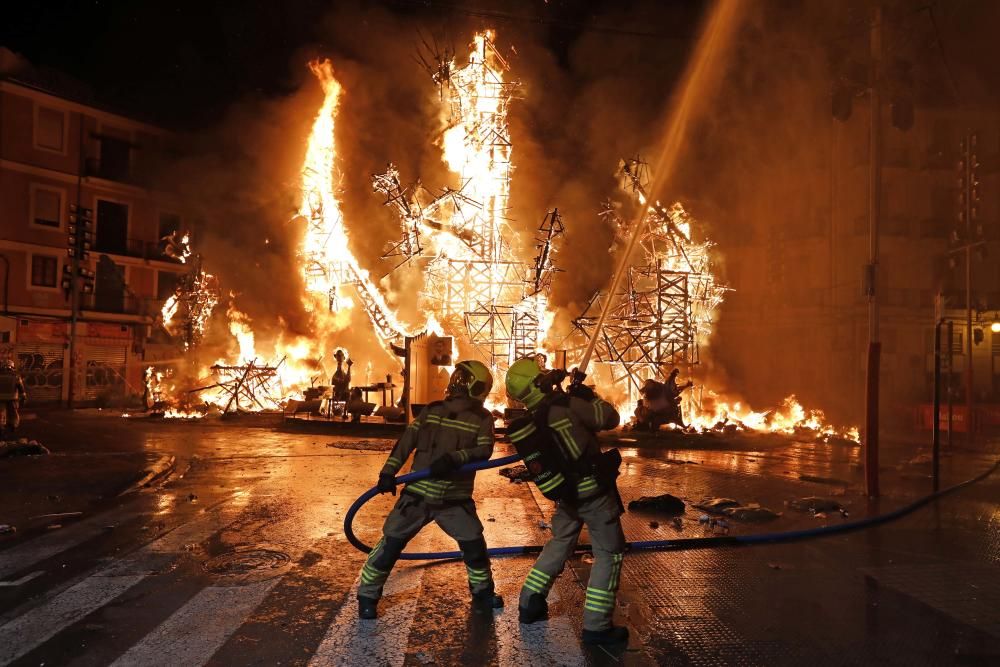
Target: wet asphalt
{"type": "Point", "coordinates": [239, 557]}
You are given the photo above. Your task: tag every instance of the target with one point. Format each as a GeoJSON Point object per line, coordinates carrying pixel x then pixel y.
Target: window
{"type": "Point", "coordinates": [44, 271]}
{"type": "Point", "coordinates": [50, 129]}
{"type": "Point", "coordinates": [166, 284]}
{"type": "Point", "coordinates": [46, 207]}
{"type": "Point", "coordinates": [114, 158]}
{"type": "Point", "coordinates": [169, 223]}
{"type": "Point", "coordinates": [111, 227]}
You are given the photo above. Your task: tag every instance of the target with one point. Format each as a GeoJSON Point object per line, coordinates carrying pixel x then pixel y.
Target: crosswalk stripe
{"type": "Point", "coordinates": [97, 590]}
{"type": "Point", "coordinates": [550, 642]}
{"type": "Point", "coordinates": [45, 546]}
{"type": "Point", "coordinates": [31, 629]}
{"type": "Point", "coordinates": [352, 641]}
{"type": "Point", "coordinates": [198, 629]}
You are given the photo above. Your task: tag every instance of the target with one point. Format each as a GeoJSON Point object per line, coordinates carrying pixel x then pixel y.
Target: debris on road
{"type": "Point", "coordinates": [654, 524]}
{"type": "Point", "coordinates": [814, 504]}
{"type": "Point", "coordinates": [677, 523]}
{"type": "Point", "coordinates": [424, 658]}
{"type": "Point", "coordinates": [665, 503]}
{"type": "Point", "coordinates": [716, 505]}
{"type": "Point", "coordinates": [544, 525]}
{"type": "Point", "coordinates": [703, 518]}
{"type": "Point", "coordinates": [516, 474]}
{"type": "Point", "coordinates": [22, 447]}
{"type": "Point", "coordinates": [192, 498]}
{"type": "Point", "coordinates": [751, 512]}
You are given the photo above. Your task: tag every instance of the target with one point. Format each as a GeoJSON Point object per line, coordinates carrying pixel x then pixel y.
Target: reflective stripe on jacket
{"type": "Point", "coordinates": [574, 423]}
{"type": "Point", "coordinates": [459, 428]}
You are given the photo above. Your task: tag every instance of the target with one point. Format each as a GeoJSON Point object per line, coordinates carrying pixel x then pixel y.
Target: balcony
{"type": "Point", "coordinates": [121, 304]}
{"type": "Point", "coordinates": [140, 248]}
{"type": "Point", "coordinates": [147, 250]}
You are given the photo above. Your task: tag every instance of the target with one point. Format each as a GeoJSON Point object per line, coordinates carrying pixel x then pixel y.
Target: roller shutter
{"type": "Point", "coordinates": [104, 370]}
{"type": "Point", "coordinates": [41, 366]}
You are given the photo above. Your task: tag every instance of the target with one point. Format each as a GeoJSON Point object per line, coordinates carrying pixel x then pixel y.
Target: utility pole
{"type": "Point", "coordinates": [968, 200]}
{"type": "Point", "coordinates": [871, 269]}
{"type": "Point", "coordinates": [80, 235]}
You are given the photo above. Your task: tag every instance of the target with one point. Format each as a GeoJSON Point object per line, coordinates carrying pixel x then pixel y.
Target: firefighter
{"type": "Point", "coordinates": [12, 394]}
{"type": "Point", "coordinates": [446, 435]}
{"type": "Point", "coordinates": [559, 445]}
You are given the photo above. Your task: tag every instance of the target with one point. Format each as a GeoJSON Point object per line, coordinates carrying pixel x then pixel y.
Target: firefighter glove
{"type": "Point", "coordinates": [442, 466]}
{"type": "Point", "coordinates": [386, 483]}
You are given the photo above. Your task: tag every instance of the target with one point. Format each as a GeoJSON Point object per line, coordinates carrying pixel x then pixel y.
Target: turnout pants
{"type": "Point", "coordinates": [458, 519]}
{"type": "Point", "coordinates": [13, 409]}
{"type": "Point", "coordinates": [601, 516]}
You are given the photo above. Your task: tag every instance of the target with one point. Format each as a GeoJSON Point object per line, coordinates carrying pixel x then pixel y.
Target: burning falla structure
{"type": "Point", "coordinates": [474, 286]}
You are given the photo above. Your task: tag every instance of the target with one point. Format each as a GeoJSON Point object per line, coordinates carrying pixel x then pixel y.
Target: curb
{"type": "Point", "coordinates": [159, 470]}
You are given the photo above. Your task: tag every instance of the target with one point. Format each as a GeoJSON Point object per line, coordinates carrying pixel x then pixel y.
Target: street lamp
{"type": "Point", "coordinates": [995, 327]}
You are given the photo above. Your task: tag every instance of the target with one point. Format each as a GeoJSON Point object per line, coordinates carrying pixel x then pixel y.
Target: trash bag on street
{"type": "Point", "coordinates": [664, 503]}
{"type": "Point", "coordinates": [22, 448]}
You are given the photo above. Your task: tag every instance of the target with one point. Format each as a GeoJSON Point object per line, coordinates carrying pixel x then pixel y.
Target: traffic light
{"type": "Point", "coordinates": [80, 231]}
{"type": "Point", "coordinates": [67, 280]}
{"type": "Point", "coordinates": [87, 276]}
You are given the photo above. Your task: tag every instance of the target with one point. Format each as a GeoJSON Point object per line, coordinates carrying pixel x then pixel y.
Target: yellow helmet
{"type": "Point", "coordinates": [471, 378]}
{"type": "Point", "coordinates": [520, 382]}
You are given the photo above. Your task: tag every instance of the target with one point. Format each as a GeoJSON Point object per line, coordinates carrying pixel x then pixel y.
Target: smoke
{"type": "Point", "coordinates": [756, 170]}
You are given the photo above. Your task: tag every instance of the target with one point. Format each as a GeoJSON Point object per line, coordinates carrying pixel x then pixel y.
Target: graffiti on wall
{"type": "Point", "coordinates": [102, 375]}
{"type": "Point", "coordinates": [39, 373]}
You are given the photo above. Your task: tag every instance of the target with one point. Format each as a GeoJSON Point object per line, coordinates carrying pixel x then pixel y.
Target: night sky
{"type": "Point", "coordinates": [182, 63]}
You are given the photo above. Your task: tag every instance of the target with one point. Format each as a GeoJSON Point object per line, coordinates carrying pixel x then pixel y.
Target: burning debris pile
{"type": "Point", "coordinates": [187, 311]}
{"type": "Point", "coordinates": [475, 288]}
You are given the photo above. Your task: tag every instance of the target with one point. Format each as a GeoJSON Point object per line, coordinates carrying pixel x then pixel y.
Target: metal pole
{"type": "Point", "coordinates": [936, 443]}
{"type": "Point", "coordinates": [75, 278]}
{"type": "Point", "coordinates": [951, 361]}
{"type": "Point", "coordinates": [969, 421]}
{"type": "Point", "coordinates": [874, 200]}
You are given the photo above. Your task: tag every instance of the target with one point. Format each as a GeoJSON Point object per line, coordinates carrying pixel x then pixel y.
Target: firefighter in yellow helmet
{"type": "Point", "coordinates": [558, 443]}
{"type": "Point", "coordinates": [446, 435]}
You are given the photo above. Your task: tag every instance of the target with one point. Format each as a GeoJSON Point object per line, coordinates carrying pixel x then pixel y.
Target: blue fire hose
{"type": "Point", "coordinates": [671, 545]}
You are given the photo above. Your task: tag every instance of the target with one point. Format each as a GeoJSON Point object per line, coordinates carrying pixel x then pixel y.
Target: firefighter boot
{"type": "Point", "coordinates": [537, 609]}
{"type": "Point", "coordinates": [367, 608]}
{"type": "Point", "coordinates": [613, 635]}
{"type": "Point", "coordinates": [486, 601]}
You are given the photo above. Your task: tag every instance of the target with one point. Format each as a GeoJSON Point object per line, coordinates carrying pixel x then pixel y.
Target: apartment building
{"type": "Point", "coordinates": [57, 153]}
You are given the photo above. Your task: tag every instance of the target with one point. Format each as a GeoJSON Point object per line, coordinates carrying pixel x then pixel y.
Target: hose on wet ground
{"type": "Point", "coordinates": [679, 544]}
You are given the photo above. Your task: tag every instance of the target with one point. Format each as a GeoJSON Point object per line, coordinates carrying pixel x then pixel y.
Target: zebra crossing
{"type": "Point", "coordinates": [203, 618]}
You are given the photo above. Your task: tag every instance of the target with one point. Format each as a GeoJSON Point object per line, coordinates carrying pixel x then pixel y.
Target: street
{"type": "Point", "coordinates": [239, 557]}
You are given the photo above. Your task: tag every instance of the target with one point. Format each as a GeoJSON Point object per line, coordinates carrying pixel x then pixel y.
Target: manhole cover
{"type": "Point", "coordinates": [249, 562]}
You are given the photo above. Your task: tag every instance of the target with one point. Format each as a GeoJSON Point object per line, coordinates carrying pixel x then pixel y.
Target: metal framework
{"type": "Point", "coordinates": [665, 305]}
{"type": "Point", "coordinates": [471, 282]}
{"type": "Point", "coordinates": [188, 310]}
